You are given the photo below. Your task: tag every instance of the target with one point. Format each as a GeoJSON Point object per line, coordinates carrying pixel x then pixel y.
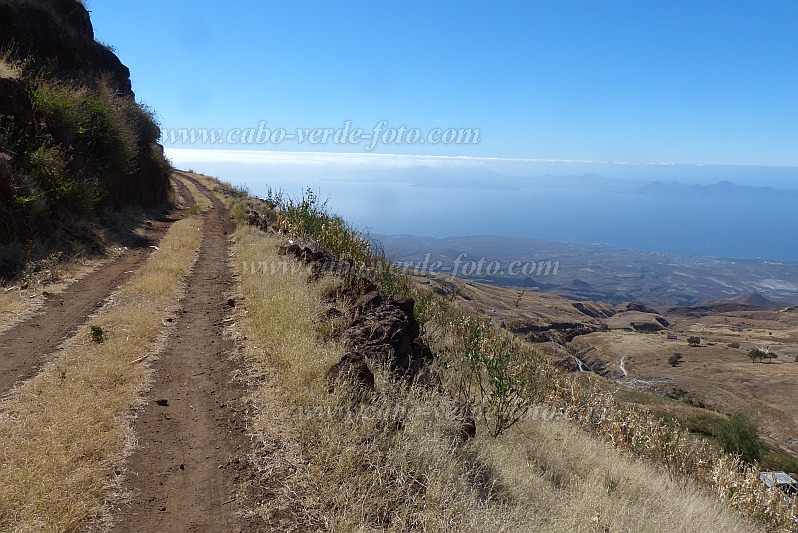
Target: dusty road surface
{"type": "Point", "coordinates": [26, 346]}
{"type": "Point", "coordinates": [191, 436]}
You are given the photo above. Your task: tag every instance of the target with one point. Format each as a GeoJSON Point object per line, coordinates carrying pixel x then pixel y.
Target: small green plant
{"type": "Point", "coordinates": [98, 335]}
{"type": "Point", "coordinates": [734, 345]}
{"type": "Point", "coordinates": [694, 341]}
{"type": "Point", "coordinates": [675, 359]}
{"type": "Point", "coordinates": [61, 374]}
{"type": "Point", "coordinates": [517, 300]}
{"type": "Point", "coordinates": [505, 376]}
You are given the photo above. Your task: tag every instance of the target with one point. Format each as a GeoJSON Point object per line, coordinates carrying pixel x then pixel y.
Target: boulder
{"type": "Point", "coordinates": [388, 334]}
{"type": "Point", "coordinates": [352, 368]}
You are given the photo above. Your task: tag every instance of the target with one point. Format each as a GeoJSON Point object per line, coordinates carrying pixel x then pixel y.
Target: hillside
{"type": "Point", "coordinates": [178, 355]}
{"type": "Point", "coordinates": [629, 345]}
{"type": "Point", "coordinates": [237, 381]}
{"type": "Point", "coordinates": [74, 144]}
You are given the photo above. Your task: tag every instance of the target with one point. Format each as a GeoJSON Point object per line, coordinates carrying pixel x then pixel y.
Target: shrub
{"type": "Point", "coordinates": [734, 345]}
{"type": "Point", "coordinates": [675, 359]}
{"type": "Point", "coordinates": [738, 436]}
{"type": "Point", "coordinates": [97, 334]}
{"type": "Point", "coordinates": [693, 341]}
{"type": "Point", "coordinates": [756, 353]}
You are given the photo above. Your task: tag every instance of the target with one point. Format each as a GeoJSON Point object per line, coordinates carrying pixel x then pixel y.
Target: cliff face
{"type": "Point", "coordinates": [73, 141]}
{"type": "Point", "coordinates": [56, 37]}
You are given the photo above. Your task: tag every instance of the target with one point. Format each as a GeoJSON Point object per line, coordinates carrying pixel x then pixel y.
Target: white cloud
{"type": "Point", "coordinates": [268, 157]}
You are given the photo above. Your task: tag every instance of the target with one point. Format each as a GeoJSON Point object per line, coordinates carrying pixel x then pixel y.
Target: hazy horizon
{"type": "Point", "coordinates": [448, 197]}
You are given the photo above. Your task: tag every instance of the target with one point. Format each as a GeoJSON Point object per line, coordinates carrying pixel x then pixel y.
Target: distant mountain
{"type": "Point", "coordinates": [589, 182]}
{"type": "Point", "coordinates": [720, 189]}
{"type": "Point", "coordinates": [744, 302]}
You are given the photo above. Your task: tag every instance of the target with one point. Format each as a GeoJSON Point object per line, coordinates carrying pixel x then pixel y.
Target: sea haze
{"type": "Point", "coordinates": [720, 211]}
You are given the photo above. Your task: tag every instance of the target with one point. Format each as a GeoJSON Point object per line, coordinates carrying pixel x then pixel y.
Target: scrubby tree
{"type": "Point", "coordinates": [675, 359]}
{"type": "Point", "coordinates": [738, 435]}
{"type": "Point", "coordinates": [755, 353]}
{"type": "Point", "coordinates": [693, 341]}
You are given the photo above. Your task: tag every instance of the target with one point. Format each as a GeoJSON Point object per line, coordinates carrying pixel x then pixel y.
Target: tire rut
{"type": "Point", "coordinates": [25, 347]}
{"type": "Point", "coordinates": [193, 446]}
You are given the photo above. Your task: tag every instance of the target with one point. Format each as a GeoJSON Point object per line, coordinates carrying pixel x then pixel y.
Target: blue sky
{"type": "Point", "coordinates": [640, 81]}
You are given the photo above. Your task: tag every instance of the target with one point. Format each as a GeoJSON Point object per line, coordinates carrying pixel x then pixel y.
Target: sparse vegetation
{"type": "Point", "coordinates": [694, 341]}
{"type": "Point", "coordinates": [97, 334]}
{"type": "Point", "coordinates": [464, 345]}
{"type": "Point", "coordinates": [734, 345]}
{"type": "Point", "coordinates": [675, 359]}
{"type": "Point", "coordinates": [398, 461]}
{"type": "Point", "coordinates": [761, 355]}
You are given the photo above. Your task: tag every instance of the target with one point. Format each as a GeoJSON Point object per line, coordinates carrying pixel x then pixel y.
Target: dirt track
{"type": "Point", "coordinates": [191, 435]}
{"type": "Point", "coordinates": [25, 347]}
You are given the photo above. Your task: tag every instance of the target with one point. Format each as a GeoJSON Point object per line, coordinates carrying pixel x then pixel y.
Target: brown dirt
{"type": "Point", "coordinates": [26, 346]}
{"type": "Point", "coordinates": [192, 458]}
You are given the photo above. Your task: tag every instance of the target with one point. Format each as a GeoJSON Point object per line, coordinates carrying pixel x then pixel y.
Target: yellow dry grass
{"type": "Point", "coordinates": [65, 433]}
{"type": "Point", "coordinates": [332, 464]}
{"type": "Point", "coordinates": [573, 482]}
{"type": "Point", "coordinates": [8, 69]}
{"type": "Point", "coordinates": [54, 275]}
{"type": "Point", "coordinates": [17, 304]}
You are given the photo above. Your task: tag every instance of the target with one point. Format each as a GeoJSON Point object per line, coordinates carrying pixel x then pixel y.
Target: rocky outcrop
{"type": "Point", "coordinates": [353, 369]}
{"type": "Point", "coordinates": [389, 334]}
{"type": "Point", "coordinates": [58, 37]}
{"type": "Point", "coordinates": [634, 306]}
{"type": "Point", "coordinates": [643, 322]}
{"type": "Point", "coordinates": [320, 261]}
{"type": "Point", "coordinates": [557, 332]}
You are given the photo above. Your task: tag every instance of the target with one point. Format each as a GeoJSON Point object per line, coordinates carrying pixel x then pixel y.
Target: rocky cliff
{"type": "Point", "coordinates": [73, 141]}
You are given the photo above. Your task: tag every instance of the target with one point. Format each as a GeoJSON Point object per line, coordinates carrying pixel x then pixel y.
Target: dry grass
{"type": "Point", "coordinates": [18, 304]}
{"type": "Point", "coordinates": [65, 433]}
{"type": "Point", "coordinates": [329, 462]}
{"type": "Point", "coordinates": [55, 273]}
{"type": "Point", "coordinates": [573, 482]}
{"type": "Point", "coordinates": [8, 67]}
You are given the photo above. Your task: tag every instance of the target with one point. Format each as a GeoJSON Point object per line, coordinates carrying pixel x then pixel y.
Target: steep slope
{"type": "Point", "coordinates": [73, 141]}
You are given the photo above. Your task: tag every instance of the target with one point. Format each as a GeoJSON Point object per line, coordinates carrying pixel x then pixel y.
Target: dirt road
{"type": "Point", "coordinates": [191, 435]}
{"type": "Point", "coordinates": [25, 347]}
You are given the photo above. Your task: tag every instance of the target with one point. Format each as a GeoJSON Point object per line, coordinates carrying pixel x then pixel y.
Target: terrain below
{"type": "Point", "coordinates": [596, 272]}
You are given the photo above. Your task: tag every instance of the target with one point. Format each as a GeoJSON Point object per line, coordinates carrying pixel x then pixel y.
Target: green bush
{"type": "Point", "coordinates": [58, 106]}
{"type": "Point", "coordinates": [98, 335]}
{"type": "Point", "coordinates": [737, 435]}
{"type": "Point", "coordinates": [104, 140]}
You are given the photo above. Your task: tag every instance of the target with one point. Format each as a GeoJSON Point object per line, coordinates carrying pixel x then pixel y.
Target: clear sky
{"type": "Point", "coordinates": [643, 81]}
